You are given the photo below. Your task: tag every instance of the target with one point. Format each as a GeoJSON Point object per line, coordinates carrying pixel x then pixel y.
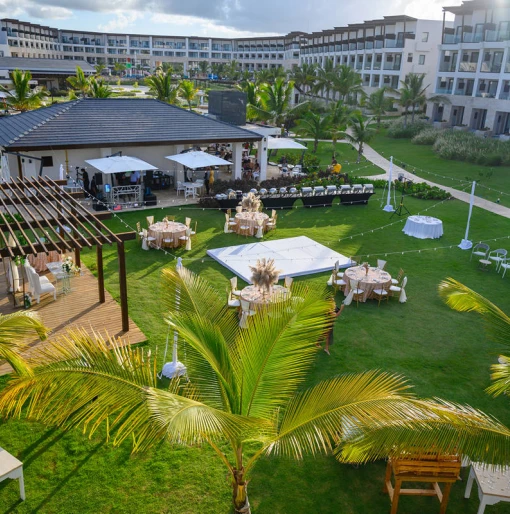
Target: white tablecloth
{"type": "Point", "coordinates": [423, 227]}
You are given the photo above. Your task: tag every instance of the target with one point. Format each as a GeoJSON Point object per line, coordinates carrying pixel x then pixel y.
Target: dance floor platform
{"type": "Point", "coordinates": [295, 256]}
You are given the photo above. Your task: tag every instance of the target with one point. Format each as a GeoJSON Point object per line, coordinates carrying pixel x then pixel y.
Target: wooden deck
{"type": "Point", "coordinates": [79, 308]}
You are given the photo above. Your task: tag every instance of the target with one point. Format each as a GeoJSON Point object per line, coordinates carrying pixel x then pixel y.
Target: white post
{"type": "Point", "coordinates": [237, 160]}
{"type": "Point", "coordinates": [466, 244]}
{"type": "Point", "coordinates": [388, 207]}
{"type": "Point", "coordinates": [262, 158]}
{"type": "Point", "coordinates": [175, 368]}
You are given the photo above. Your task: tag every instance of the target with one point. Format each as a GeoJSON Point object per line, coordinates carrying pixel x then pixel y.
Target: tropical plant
{"type": "Point", "coordinates": [304, 77]}
{"type": "Point", "coordinates": [187, 91]}
{"type": "Point", "coordinates": [314, 126]}
{"type": "Point", "coordinates": [270, 75]}
{"type": "Point", "coordinates": [378, 104]}
{"type": "Point", "coordinates": [99, 68]}
{"type": "Point", "coordinates": [339, 114]}
{"type": "Point", "coordinates": [325, 79]}
{"type": "Point", "coordinates": [166, 67]}
{"type": "Point", "coordinates": [160, 84]}
{"type": "Point", "coordinates": [463, 299]}
{"type": "Point", "coordinates": [203, 66]}
{"type": "Point", "coordinates": [79, 82]}
{"type": "Point", "coordinates": [360, 131]}
{"type": "Point", "coordinates": [244, 388]}
{"type": "Point", "coordinates": [218, 69]}
{"type": "Point", "coordinates": [252, 98]}
{"type": "Point", "coordinates": [118, 68]}
{"type": "Point", "coordinates": [232, 71]}
{"type": "Point", "coordinates": [347, 83]}
{"type": "Point", "coordinates": [14, 328]}
{"type": "Point", "coordinates": [20, 96]}
{"type": "Point", "coordinates": [98, 88]}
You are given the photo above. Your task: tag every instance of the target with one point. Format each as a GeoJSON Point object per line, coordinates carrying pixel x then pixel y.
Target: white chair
{"type": "Point", "coordinates": [232, 302]}
{"type": "Point", "coordinates": [41, 285]}
{"type": "Point", "coordinates": [150, 240]}
{"type": "Point", "coordinates": [288, 282]}
{"type": "Point", "coordinates": [246, 312]}
{"type": "Point", "coordinates": [400, 276]}
{"type": "Point", "coordinates": [180, 187]}
{"type": "Point", "coordinates": [187, 222]}
{"type": "Point", "coordinates": [186, 240]}
{"type": "Point", "coordinates": [233, 287]}
{"type": "Point", "coordinates": [354, 293]}
{"type": "Point", "coordinates": [498, 256]}
{"type": "Point", "coordinates": [480, 250]}
{"type": "Point", "coordinates": [336, 271]}
{"type": "Point", "coordinates": [381, 263]}
{"type": "Point", "coordinates": [400, 290]}
{"type": "Point", "coordinates": [150, 221]}
{"type": "Point", "coordinates": [380, 294]}
{"type": "Point", "coordinates": [504, 265]}
{"type": "Point", "coordinates": [189, 191]}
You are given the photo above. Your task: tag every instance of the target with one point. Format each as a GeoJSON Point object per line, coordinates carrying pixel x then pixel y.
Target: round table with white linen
{"type": "Point", "coordinates": [423, 227]}
{"type": "Point", "coordinates": [167, 230]}
{"type": "Point", "coordinates": [257, 299]}
{"type": "Point", "coordinates": [375, 279]}
{"type": "Point", "coordinates": [250, 219]}
{"type": "Point", "coordinates": [39, 261]}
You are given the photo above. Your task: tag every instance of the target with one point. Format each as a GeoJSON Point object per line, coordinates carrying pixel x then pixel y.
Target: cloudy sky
{"type": "Point", "coordinates": [217, 18]}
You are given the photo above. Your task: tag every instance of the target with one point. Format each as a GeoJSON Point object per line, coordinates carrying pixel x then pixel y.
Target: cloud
{"type": "Point", "coordinates": [122, 21]}
{"type": "Point", "coordinates": [48, 12]}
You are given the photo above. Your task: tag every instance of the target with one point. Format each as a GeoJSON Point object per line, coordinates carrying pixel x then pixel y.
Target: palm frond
{"type": "Point", "coordinates": [463, 299]}
{"type": "Point", "coordinates": [277, 349]}
{"type": "Point", "coordinates": [501, 377]}
{"type": "Point", "coordinates": [429, 426]}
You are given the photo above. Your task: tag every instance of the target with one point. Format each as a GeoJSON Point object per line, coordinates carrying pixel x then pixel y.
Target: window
{"type": "Point", "coordinates": [424, 37]}
{"type": "Point", "coordinates": [409, 57]}
{"type": "Point", "coordinates": [47, 161]}
{"type": "Point", "coordinates": [421, 59]}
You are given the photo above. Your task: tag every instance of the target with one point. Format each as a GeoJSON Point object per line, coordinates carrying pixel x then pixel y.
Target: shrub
{"type": "Point", "coordinates": [397, 130]}
{"type": "Point", "coordinates": [427, 136]}
{"type": "Point", "coordinates": [281, 181]}
{"type": "Point", "coordinates": [208, 202]}
{"type": "Point", "coordinates": [222, 186]}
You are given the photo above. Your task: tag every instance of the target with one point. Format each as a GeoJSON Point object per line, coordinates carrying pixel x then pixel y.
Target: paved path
{"type": "Point", "coordinates": [384, 163]}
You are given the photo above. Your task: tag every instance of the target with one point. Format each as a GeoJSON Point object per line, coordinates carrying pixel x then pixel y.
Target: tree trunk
{"type": "Point", "coordinates": [240, 492]}
{"type": "Point", "coordinates": [360, 153]}
{"type": "Point", "coordinates": [315, 145]}
{"type": "Point", "coordinates": [412, 115]}
{"type": "Point", "coordinates": [405, 118]}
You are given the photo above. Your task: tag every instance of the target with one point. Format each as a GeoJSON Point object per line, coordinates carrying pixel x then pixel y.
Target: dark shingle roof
{"type": "Point", "coordinates": [44, 65]}
{"type": "Point", "coordinates": [93, 122]}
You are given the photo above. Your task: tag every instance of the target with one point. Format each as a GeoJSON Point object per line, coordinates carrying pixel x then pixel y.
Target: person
{"type": "Point", "coordinates": [206, 180]}
{"type": "Point", "coordinates": [211, 179]}
{"type": "Point", "coordinates": [329, 336]}
{"type": "Point", "coordinates": [134, 178]}
{"type": "Point", "coordinates": [93, 187]}
{"type": "Point", "coordinates": [336, 167]}
{"type": "Point", "coordinates": [283, 161]}
{"type": "Point", "coordinates": [86, 181]}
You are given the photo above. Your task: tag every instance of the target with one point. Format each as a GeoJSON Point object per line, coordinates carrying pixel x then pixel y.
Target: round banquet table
{"type": "Point", "coordinates": [375, 279]}
{"type": "Point", "coordinates": [423, 227]}
{"type": "Point", "coordinates": [253, 295]}
{"type": "Point", "coordinates": [167, 230]}
{"type": "Point", "coordinates": [250, 219]}
{"type": "Point", "coordinates": [39, 261]}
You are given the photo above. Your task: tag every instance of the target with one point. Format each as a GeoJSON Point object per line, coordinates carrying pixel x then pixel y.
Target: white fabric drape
{"type": "Point", "coordinates": [403, 297]}
{"type": "Point", "coordinates": [349, 297]}
{"type": "Point", "coordinates": [259, 233]}
{"type": "Point", "coordinates": [188, 240]}
{"type": "Point", "coordinates": [423, 227]}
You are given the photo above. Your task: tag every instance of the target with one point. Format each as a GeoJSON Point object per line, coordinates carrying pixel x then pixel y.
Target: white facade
{"type": "Point", "coordinates": [473, 68]}
{"type": "Point", "coordinates": [382, 51]}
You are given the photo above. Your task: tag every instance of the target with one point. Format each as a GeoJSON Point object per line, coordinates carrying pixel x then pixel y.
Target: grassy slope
{"type": "Point", "coordinates": [443, 353]}
{"type": "Point", "coordinates": [420, 159]}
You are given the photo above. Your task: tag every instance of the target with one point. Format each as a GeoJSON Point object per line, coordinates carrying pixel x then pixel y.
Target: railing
{"type": "Point", "coordinates": [490, 68]}
{"type": "Point", "coordinates": [486, 94]}
{"type": "Point", "coordinates": [392, 66]}
{"type": "Point", "coordinates": [444, 90]}
{"type": "Point", "coordinates": [504, 96]}
{"type": "Point", "coordinates": [446, 66]}
{"type": "Point", "coordinates": [394, 43]}
{"type": "Point", "coordinates": [468, 66]}
{"type": "Point", "coordinates": [450, 39]}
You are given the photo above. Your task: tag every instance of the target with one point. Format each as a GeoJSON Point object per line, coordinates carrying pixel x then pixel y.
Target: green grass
{"type": "Point", "coordinates": [345, 155]}
{"type": "Point", "coordinates": [443, 353]}
{"type": "Point", "coordinates": [423, 161]}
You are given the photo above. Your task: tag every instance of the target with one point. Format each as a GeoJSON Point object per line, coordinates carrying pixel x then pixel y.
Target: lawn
{"type": "Point", "coordinates": [424, 162]}
{"type": "Point", "coordinates": [443, 353]}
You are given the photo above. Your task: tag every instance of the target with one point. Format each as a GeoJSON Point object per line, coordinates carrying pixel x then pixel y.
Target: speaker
{"type": "Point", "coordinates": [150, 200]}
{"type": "Point", "coordinates": [99, 179]}
{"type": "Point", "coordinates": [97, 206]}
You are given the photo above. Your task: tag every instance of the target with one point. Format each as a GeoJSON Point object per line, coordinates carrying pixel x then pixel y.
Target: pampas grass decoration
{"type": "Point", "coordinates": [251, 203]}
{"type": "Point", "coordinates": [264, 275]}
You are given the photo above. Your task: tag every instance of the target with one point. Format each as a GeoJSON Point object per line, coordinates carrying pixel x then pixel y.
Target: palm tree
{"type": "Point", "coordinates": [462, 299]}
{"type": "Point", "coordinates": [412, 94]}
{"type": "Point", "coordinates": [252, 98]}
{"type": "Point", "coordinates": [160, 85]}
{"type": "Point", "coordinates": [304, 77]}
{"type": "Point", "coordinates": [14, 328]}
{"type": "Point", "coordinates": [166, 67]}
{"type": "Point", "coordinates": [187, 91]}
{"type": "Point", "coordinates": [218, 69]}
{"type": "Point", "coordinates": [232, 71]}
{"type": "Point", "coordinates": [203, 66]}
{"type": "Point", "coordinates": [99, 69]}
{"type": "Point", "coordinates": [325, 78]}
{"type": "Point", "coordinates": [118, 68]}
{"type": "Point", "coordinates": [270, 75]}
{"type": "Point", "coordinates": [378, 104]}
{"type": "Point", "coordinates": [245, 387]}
{"type": "Point", "coordinates": [79, 82]}
{"type": "Point", "coordinates": [314, 126]}
{"type": "Point", "coordinates": [20, 96]}
{"type": "Point", "coordinates": [339, 113]}
{"type": "Point", "coordinates": [360, 131]}
{"type": "Point", "coordinates": [98, 88]}
{"type": "Point", "coordinates": [347, 83]}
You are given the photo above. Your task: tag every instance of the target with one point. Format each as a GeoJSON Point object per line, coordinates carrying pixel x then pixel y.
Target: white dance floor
{"type": "Point", "coordinates": [295, 256]}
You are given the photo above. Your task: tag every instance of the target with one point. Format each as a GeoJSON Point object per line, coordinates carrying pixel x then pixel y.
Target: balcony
{"type": "Point", "coordinates": [448, 66]}
{"type": "Point", "coordinates": [504, 96]}
{"type": "Point", "coordinates": [394, 43]}
{"type": "Point", "coordinates": [444, 90]}
{"type": "Point", "coordinates": [490, 68]}
{"type": "Point", "coordinates": [450, 39]}
{"type": "Point", "coordinates": [389, 66]}
{"type": "Point", "coordinates": [484, 94]}
{"type": "Point", "coordinates": [468, 67]}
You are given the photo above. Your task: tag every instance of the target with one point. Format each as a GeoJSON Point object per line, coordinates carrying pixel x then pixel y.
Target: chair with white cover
{"type": "Point", "coordinates": [149, 240]}
{"type": "Point", "coordinates": [504, 265]}
{"type": "Point", "coordinates": [498, 256]}
{"type": "Point", "coordinates": [380, 294]}
{"type": "Point", "coordinates": [232, 302]}
{"type": "Point", "coordinates": [180, 187]}
{"type": "Point", "coordinates": [139, 232]}
{"type": "Point", "coordinates": [260, 229]}
{"type": "Point", "coordinates": [194, 229]}
{"type": "Point", "coordinates": [150, 221]}
{"type": "Point", "coordinates": [381, 263]}
{"type": "Point", "coordinates": [41, 285]}
{"type": "Point", "coordinates": [187, 222]}
{"type": "Point", "coordinates": [480, 250]}
{"type": "Point", "coordinates": [400, 290]}
{"type": "Point", "coordinates": [271, 225]}
{"type": "Point", "coordinates": [229, 225]}
{"type": "Point", "coordinates": [336, 271]}
{"type": "Point", "coordinates": [186, 240]}
{"type": "Point", "coordinates": [400, 276]}
{"type": "Point", "coordinates": [246, 312]}
{"type": "Point", "coordinates": [233, 287]}
{"type": "Point", "coordinates": [288, 283]}
{"type": "Point", "coordinates": [354, 293]}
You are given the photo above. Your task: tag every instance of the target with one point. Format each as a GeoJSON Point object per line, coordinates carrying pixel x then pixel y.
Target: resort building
{"type": "Point", "coordinates": [382, 51]}
{"type": "Point", "coordinates": [143, 52]}
{"type": "Point", "coordinates": [473, 68]}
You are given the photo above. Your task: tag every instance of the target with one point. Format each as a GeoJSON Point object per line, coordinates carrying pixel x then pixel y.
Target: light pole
{"type": "Point", "coordinates": [466, 244]}
{"type": "Point", "coordinates": [388, 207]}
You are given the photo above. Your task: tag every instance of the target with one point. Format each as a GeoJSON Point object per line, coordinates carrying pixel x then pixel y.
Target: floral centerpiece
{"type": "Point", "coordinates": [366, 266]}
{"type": "Point", "coordinates": [251, 203]}
{"type": "Point", "coordinates": [69, 267]}
{"type": "Point", "coordinates": [264, 275]}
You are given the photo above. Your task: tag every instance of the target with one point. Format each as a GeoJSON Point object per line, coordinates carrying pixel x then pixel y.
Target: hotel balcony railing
{"type": "Point", "coordinates": [359, 66]}
{"type": "Point", "coordinates": [377, 66]}
{"type": "Point", "coordinates": [444, 90]}
{"type": "Point", "coordinates": [504, 96]}
{"type": "Point", "coordinates": [450, 39]}
{"type": "Point", "coordinates": [394, 43]}
{"type": "Point", "coordinates": [490, 68]}
{"type": "Point", "coordinates": [447, 66]}
{"type": "Point", "coordinates": [486, 94]}
{"type": "Point", "coordinates": [368, 65]}
{"type": "Point", "coordinates": [462, 92]}
{"type": "Point", "coordinates": [468, 66]}
{"type": "Point", "coordinates": [391, 66]}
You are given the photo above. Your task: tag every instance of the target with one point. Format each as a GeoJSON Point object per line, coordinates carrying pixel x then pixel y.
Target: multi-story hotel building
{"type": "Point", "coordinates": [473, 68]}
{"type": "Point", "coordinates": [145, 52]}
{"type": "Point", "coordinates": [382, 51]}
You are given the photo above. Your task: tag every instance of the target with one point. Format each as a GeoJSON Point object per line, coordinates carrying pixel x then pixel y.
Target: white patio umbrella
{"type": "Point", "coordinates": [120, 164]}
{"type": "Point", "coordinates": [196, 159]}
{"type": "Point", "coordinates": [284, 143]}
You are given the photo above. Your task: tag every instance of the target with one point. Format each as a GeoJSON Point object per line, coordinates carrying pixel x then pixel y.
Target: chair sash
{"type": "Point", "coordinates": [188, 240]}
{"type": "Point", "coordinates": [403, 297]}
{"type": "Point", "coordinates": [239, 208]}
{"type": "Point", "coordinates": [260, 233]}
{"type": "Point", "coordinates": [226, 228]}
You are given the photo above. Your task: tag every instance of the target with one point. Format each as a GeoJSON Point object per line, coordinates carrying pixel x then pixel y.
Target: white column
{"type": "Point", "coordinates": [237, 160]}
{"type": "Point", "coordinates": [262, 158]}
{"type": "Point", "coordinates": [179, 174]}
{"type": "Point", "coordinates": [466, 244]}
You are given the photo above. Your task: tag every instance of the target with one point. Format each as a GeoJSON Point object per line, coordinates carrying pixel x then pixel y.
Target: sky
{"type": "Point", "coordinates": [213, 18]}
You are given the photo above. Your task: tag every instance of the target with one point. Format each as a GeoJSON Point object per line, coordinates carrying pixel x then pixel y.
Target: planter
{"type": "Point", "coordinates": [440, 125]}
{"type": "Point", "coordinates": [483, 133]}
{"type": "Point", "coordinates": [504, 137]}
{"type": "Point", "coordinates": [355, 198]}
{"type": "Point", "coordinates": [318, 201]}
{"type": "Point", "coordinates": [461, 128]}
{"type": "Point", "coordinates": [278, 202]}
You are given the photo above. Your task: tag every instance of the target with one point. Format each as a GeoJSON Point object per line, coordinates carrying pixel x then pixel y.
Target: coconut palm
{"type": "Point", "coordinates": [497, 323]}
{"type": "Point", "coordinates": [245, 387]}
{"type": "Point", "coordinates": [118, 68]}
{"type": "Point", "coordinates": [20, 96]}
{"type": "Point", "coordinates": [187, 91]}
{"type": "Point", "coordinates": [160, 85]}
{"type": "Point", "coordinates": [79, 82]}
{"type": "Point", "coordinates": [339, 114]}
{"type": "Point", "coordinates": [203, 66]}
{"type": "Point", "coordinates": [232, 71]}
{"type": "Point", "coordinates": [360, 131]}
{"type": "Point", "coordinates": [314, 126]}
{"type": "Point", "coordinates": [378, 104]}
{"type": "Point", "coordinates": [98, 88]}
{"type": "Point", "coordinates": [99, 68]}
{"type": "Point", "coordinates": [304, 77]}
{"type": "Point", "coordinates": [252, 98]}
{"type": "Point", "coordinates": [347, 83]}
{"type": "Point", "coordinates": [14, 328]}
{"type": "Point", "coordinates": [325, 79]}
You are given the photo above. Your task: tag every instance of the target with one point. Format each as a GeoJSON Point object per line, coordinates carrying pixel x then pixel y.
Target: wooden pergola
{"type": "Point", "coordinates": [53, 220]}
